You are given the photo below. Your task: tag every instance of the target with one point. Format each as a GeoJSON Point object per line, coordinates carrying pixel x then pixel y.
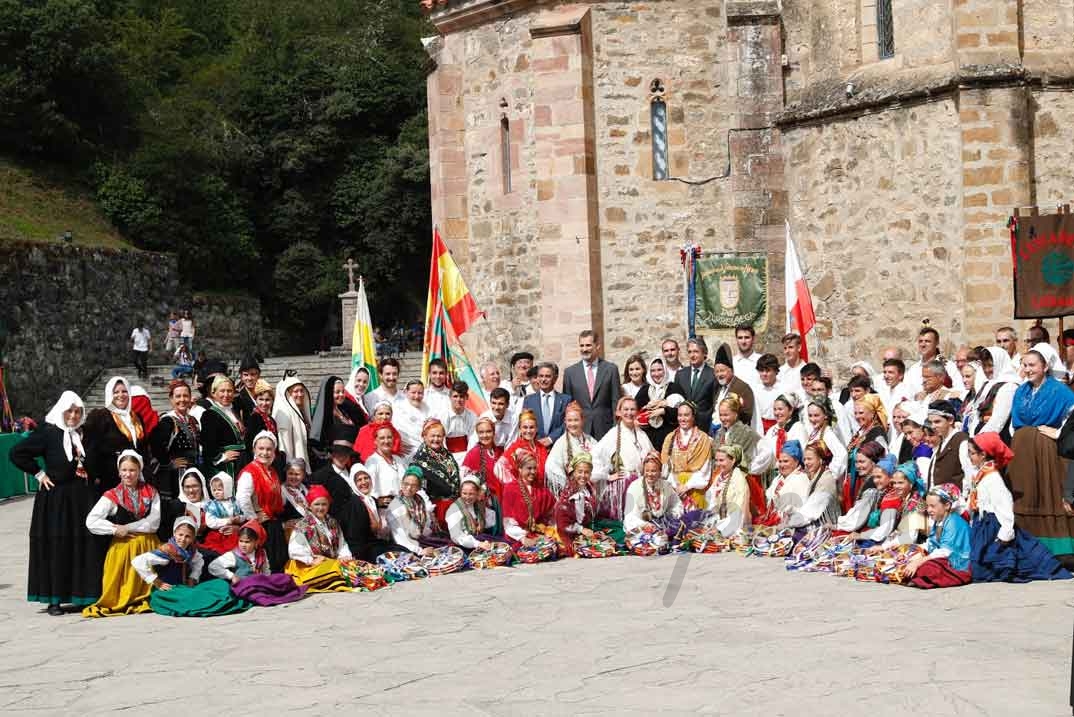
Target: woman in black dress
{"type": "Point", "coordinates": [223, 445]}
{"type": "Point", "coordinates": [657, 401]}
{"type": "Point", "coordinates": [175, 441]}
{"type": "Point", "coordinates": [335, 407]}
{"type": "Point", "coordinates": [108, 432]}
{"type": "Point", "coordinates": [66, 561]}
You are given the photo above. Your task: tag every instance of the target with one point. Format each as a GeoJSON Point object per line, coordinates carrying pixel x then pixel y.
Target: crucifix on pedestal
{"type": "Point", "coordinates": [350, 266]}
{"type": "Point", "coordinates": [349, 301]}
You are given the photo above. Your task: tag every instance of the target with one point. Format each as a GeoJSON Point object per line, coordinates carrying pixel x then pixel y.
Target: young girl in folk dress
{"type": "Point", "coordinates": [652, 500]}
{"type": "Point", "coordinates": [246, 568]}
{"type": "Point", "coordinates": [728, 497]}
{"type": "Point", "coordinates": [618, 457]}
{"type": "Point", "coordinates": [527, 504]}
{"type": "Point", "coordinates": [576, 508]}
{"type": "Point", "coordinates": [130, 513]}
{"type": "Point", "coordinates": [317, 547]}
{"type": "Point", "coordinates": [789, 489]}
{"type": "Point", "coordinates": [687, 459]}
{"type": "Point", "coordinates": [999, 549]}
{"type": "Point", "coordinates": [946, 561]}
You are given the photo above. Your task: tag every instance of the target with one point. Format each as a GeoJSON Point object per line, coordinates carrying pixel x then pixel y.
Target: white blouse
{"type": "Point", "coordinates": [98, 521]}
{"type": "Point", "coordinates": [405, 531]}
{"type": "Point", "coordinates": [457, 525]}
{"type": "Point", "coordinates": [244, 495]}
{"type": "Point", "coordinates": [298, 548]}
{"type": "Point", "coordinates": [993, 497]}
{"type": "Point", "coordinates": [636, 505]}
{"type": "Point", "coordinates": [387, 475]}
{"type": "Point", "coordinates": [224, 567]}
{"type": "Point", "coordinates": [555, 468]}
{"type": "Point", "coordinates": [634, 445]}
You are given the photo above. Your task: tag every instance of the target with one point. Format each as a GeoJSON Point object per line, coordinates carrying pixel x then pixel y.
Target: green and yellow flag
{"type": "Point", "coordinates": [363, 349]}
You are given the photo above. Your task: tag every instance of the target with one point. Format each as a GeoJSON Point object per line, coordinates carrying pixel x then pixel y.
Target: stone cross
{"type": "Point", "coordinates": [350, 266]}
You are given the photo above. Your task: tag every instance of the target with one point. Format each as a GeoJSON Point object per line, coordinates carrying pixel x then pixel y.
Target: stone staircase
{"type": "Point", "coordinates": [312, 369]}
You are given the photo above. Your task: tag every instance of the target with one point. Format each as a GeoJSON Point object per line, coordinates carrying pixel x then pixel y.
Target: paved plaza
{"type": "Point", "coordinates": [743, 637]}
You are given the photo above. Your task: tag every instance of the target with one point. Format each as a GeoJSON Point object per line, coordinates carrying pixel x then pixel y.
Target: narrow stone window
{"type": "Point", "coordinates": [505, 150]}
{"type": "Point", "coordinates": [658, 117]}
{"type": "Point", "coordinates": [885, 30]}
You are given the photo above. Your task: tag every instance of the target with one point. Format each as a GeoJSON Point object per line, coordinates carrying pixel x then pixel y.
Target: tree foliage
{"type": "Point", "coordinates": [257, 139]}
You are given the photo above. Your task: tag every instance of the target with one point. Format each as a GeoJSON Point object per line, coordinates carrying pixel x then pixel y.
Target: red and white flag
{"type": "Point", "coordinates": [800, 316]}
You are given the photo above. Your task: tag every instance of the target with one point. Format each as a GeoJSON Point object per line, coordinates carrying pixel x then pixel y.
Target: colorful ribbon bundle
{"type": "Point", "coordinates": [705, 540]}
{"type": "Point", "coordinates": [498, 555]}
{"type": "Point", "coordinates": [807, 549]}
{"type": "Point", "coordinates": [398, 567]}
{"type": "Point", "coordinates": [891, 564]}
{"type": "Point", "coordinates": [363, 576]}
{"type": "Point", "coordinates": [771, 542]}
{"type": "Point", "coordinates": [597, 546]}
{"type": "Point", "coordinates": [826, 554]}
{"type": "Point", "coordinates": [742, 542]}
{"type": "Point", "coordinates": [544, 549]}
{"type": "Point", "coordinates": [848, 564]}
{"type": "Point", "coordinates": [444, 561]}
{"type": "Point", "coordinates": [647, 540]}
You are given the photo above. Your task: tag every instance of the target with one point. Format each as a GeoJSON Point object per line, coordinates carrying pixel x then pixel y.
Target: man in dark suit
{"type": "Point", "coordinates": [727, 383]}
{"type": "Point", "coordinates": [594, 384]}
{"type": "Point", "coordinates": [548, 404]}
{"type": "Point", "coordinates": [698, 381]}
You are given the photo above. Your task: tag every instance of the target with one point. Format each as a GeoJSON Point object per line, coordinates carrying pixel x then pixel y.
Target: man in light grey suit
{"type": "Point", "coordinates": [593, 383]}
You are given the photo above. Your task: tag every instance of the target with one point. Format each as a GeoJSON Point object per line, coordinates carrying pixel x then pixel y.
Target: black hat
{"type": "Point", "coordinates": [249, 363]}
{"type": "Point", "coordinates": [723, 357]}
{"type": "Point", "coordinates": [520, 356]}
{"type": "Point", "coordinates": [341, 439]}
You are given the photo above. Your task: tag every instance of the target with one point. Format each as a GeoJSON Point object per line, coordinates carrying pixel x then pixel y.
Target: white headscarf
{"type": "Point", "coordinates": [226, 481]}
{"type": "Point", "coordinates": [124, 415]}
{"type": "Point", "coordinates": [916, 412]}
{"type": "Point", "coordinates": [350, 384]}
{"type": "Point", "coordinates": [1052, 362]}
{"type": "Point", "coordinates": [869, 370]}
{"type": "Point", "coordinates": [204, 490]}
{"type": "Point", "coordinates": [185, 520]}
{"type": "Point", "coordinates": [1003, 370]}
{"type": "Point", "coordinates": [979, 378]}
{"type": "Point", "coordinates": [72, 436]}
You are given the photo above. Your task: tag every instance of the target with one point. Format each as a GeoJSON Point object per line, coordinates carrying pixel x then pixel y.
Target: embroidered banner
{"type": "Point", "coordinates": [732, 289]}
{"type": "Point", "coordinates": [1043, 254]}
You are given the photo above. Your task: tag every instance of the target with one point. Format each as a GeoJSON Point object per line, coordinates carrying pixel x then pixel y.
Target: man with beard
{"type": "Point", "coordinates": [388, 390]}
{"type": "Point", "coordinates": [727, 383]}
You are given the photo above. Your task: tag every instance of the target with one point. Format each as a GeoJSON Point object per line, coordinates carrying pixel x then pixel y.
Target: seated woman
{"type": "Point", "coordinates": [469, 520]}
{"type": "Point", "coordinates": [576, 507]}
{"type": "Point", "coordinates": [790, 489]}
{"type": "Point", "coordinates": [130, 513]}
{"type": "Point", "coordinates": [687, 458]}
{"type": "Point", "coordinates": [1000, 551]}
{"type": "Point", "coordinates": [821, 506]}
{"type": "Point", "coordinates": [728, 497]}
{"type": "Point", "coordinates": [316, 547]}
{"type": "Point", "coordinates": [260, 497]}
{"type": "Point", "coordinates": [294, 494]}
{"type": "Point", "coordinates": [437, 469]}
{"type": "Point", "coordinates": [527, 504]}
{"type": "Point", "coordinates": [884, 518]}
{"type": "Point", "coordinates": [867, 497]}
{"type": "Point", "coordinates": [913, 524]}
{"type": "Point", "coordinates": [652, 500]}
{"type": "Point", "coordinates": [573, 441]}
{"type": "Point", "coordinates": [173, 571]}
{"type": "Point", "coordinates": [184, 363]}
{"type": "Point", "coordinates": [946, 560]}
{"type": "Point", "coordinates": [362, 485]}
{"type": "Point", "coordinates": [732, 431]}
{"type": "Point", "coordinates": [527, 440]}
{"type": "Point", "coordinates": [366, 444]}
{"type": "Point", "coordinates": [410, 517]}
{"type": "Point", "coordinates": [618, 458]}
{"type": "Point", "coordinates": [246, 568]}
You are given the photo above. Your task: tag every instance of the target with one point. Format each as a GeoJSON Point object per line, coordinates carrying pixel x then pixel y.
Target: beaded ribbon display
{"type": "Point", "coordinates": [742, 542]}
{"type": "Point", "coordinates": [807, 549]}
{"type": "Point", "coordinates": [363, 576]}
{"type": "Point", "coordinates": [647, 540]}
{"type": "Point", "coordinates": [498, 555]}
{"type": "Point", "coordinates": [444, 560]}
{"type": "Point", "coordinates": [398, 567]}
{"type": "Point", "coordinates": [824, 558]}
{"type": "Point", "coordinates": [771, 542]}
{"type": "Point", "coordinates": [597, 546]}
{"type": "Point", "coordinates": [544, 549]}
{"type": "Point", "coordinates": [705, 540]}
{"type": "Point", "coordinates": [891, 564]}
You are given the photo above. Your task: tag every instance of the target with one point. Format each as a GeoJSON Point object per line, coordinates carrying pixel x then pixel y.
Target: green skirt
{"type": "Point", "coordinates": [212, 597]}
{"type": "Point", "coordinates": [612, 528]}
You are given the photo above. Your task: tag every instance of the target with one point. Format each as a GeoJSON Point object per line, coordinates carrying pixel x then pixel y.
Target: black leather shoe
{"type": "Point", "coordinates": [55, 610]}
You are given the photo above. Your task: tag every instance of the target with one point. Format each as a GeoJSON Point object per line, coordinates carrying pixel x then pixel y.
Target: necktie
{"type": "Point", "coordinates": [591, 379]}
{"type": "Point", "coordinates": [547, 413]}
{"type": "Point", "coordinates": [693, 381]}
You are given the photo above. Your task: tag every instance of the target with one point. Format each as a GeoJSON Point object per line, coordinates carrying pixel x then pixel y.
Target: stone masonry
{"type": "Point", "coordinates": [896, 175]}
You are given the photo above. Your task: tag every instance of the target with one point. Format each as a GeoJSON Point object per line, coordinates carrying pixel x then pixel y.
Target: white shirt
{"type": "Point", "coordinates": [457, 525]}
{"type": "Point", "coordinates": [763, 399]}
{"type": "Point", "coordinates": [790, 377]}
{"type": "Point", "coordinates": [98, 521]}
{"type": "Point", "coordinates": [408, 420]}
{"type": "Point", "coordinates": [224, 567]}
{"type": "Point", "coordinates": [298, 548]}
{"type": "Point", "coordinates": [746, 368]}
{"type": "Point", "coordinates": [244, 495]}
{"type": "Point", "coordinates": [405, 531]}
{"type": "Point", "coordinates": [913, 381]}
{"type": "Point", "coordinates": [506, 429]}
{"type": "Point", "coordinates": [140, 337]}
{"type": "Point", "coordinates": [461, 424]}
{"type": "Point", "coordinates": [379, 395]}
{"type": "Point", "coordinates": [186, 328]}
{"type": "Point", "coordinates": [993, 497]}
{"type": "Point", "coordinates": [892, 396]}
{"type": "Point", "coordinates": [438, 401]}
{"type": "Point", "coordinates": [636, 505]}
{"type": "Point", "coordinates": [968, 471]}
{"type": "Point", "coordinates": [387, 476]}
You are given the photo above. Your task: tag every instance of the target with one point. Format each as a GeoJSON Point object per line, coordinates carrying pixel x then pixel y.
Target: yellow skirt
{"type": "Point", "coordinates": [694, 499]}
{"type": "Point", "coordinates": [123, 591]}
{"type": "Point", "coordinates": [326, 577]}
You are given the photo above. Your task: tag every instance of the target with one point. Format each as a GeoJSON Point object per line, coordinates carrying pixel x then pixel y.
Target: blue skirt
{"type": "Point", "coordinates": [1023, 559]}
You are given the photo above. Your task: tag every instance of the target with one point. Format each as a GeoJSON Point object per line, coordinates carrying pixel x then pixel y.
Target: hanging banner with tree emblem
{"type": "Point", "coordinates": [732, 289]}
{"type": "Point", "coordinates": [1042, 249]}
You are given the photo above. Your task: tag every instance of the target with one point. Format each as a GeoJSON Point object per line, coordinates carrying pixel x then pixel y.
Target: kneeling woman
{"type": "Point", "coordinates": [246, 568]}
{"type": "Point", "coordinates": [469, 520]}
{"type": "Point", "coordinates": [317, 547]}
{"type": "Point", "coordinates": [130, 513]}
{"type": "Point", "coordinates": [652, 500]}
{"type": "Point", "coordinates": [576, 508]}
{"type": "Point", "coordinates": [173, 570]}
{"type": "Point", "coordinates": [946, 561]}
{"type": "Point", "coordinates": [527, 504]}
{"type": "Point", "coordinates": [260, 496]}
{"type": "Point", "coordinates": [1001, 551]}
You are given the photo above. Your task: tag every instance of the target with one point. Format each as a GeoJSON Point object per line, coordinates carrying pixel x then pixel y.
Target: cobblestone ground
{"type": "Point", "coordinates": [575, 637]}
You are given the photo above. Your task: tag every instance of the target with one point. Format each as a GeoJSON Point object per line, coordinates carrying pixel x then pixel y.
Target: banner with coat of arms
{"type": "Point", "coordinates": [1043, 255]}
{"type": "Point", "coordinates": [732, 289]}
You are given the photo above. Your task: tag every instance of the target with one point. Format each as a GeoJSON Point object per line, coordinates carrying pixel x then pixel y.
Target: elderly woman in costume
{"type": "Point", "coordinates": [436, 467]}
{"type": "Point", "coordinates": [617, 459]}
{"type": "Point", "coordinates": [872, 427]}
{"type": "Point", "coordinates": [867, 496]}
{"type": "Point", "coordinates": [222, 433]}
{"type": "Point", "coordinates": [175, 440]}
{"type": "Point", "coordinates": [687, 459]}
{"type": "Point", "coordinates": [820, 418]}
{"type": "Point", "coordinates": [790, 489]}
{"type": "Point", "coordinates": [385, 467]}
{"type": "Point", "coordinates": [469, 520]}
{"type": "Point", "coordinates": [410, 416]}
{"type": "Point", "coordinates": [260, 497]}
{"type": "Point", "coordinates": [291, 411]}
{"type": "Point", "coordinates": [410, 517]}
{"type": "Point", "coordinates": [573, 441]}
{"type": "Point", "coordinates": [296, 506]}
{"type": "Point", "coordinates": [657, 401]}
{"type": "Point", "coordinates": [65, 562]}
{"type": "Point", "coordinates": [1036, 472]}
{"type": "Point", "coordinates": [365, 443]}
{"type": "Point", "coordinates": [1000, 551]}
{"type": "Point", "coordinates": [108, 432]}
{"type": "Point", "coordinates": [728, 497]}
{"type": "Point", "coordinates": [821, 505]}
{"type": "Point", "coordinates": [317, 548]}
{"type": "Point", "coordinates": [946, 560]}
{"type": "Point", "coordinates": [130, 513]}
{"type": "Point", "coordinates": [527, 504]}
{"type": "Point", "coordinates": [652, 500]}
{"type": "Point", "coordinates": [246, 568]}
{"type": "Point", "coordinates": [527, 439]}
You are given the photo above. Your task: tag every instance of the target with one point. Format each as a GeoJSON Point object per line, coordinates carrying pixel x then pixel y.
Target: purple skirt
{"type": "Point", "coordinates": [269, 590]}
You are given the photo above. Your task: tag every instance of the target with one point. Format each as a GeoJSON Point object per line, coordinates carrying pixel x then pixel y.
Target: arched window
{"type": "Point", "coordinates": [885, 30]}
{"type": "Point", "coordinates": [658, 120]}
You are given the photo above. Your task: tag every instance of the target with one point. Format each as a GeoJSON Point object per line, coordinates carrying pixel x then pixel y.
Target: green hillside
{"type": "Point", "coordinates": [41, 206]}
